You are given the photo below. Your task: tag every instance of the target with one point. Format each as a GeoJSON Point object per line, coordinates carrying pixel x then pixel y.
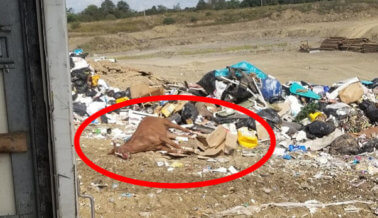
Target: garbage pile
{"type": "Point", "coordinates": [340, 119]}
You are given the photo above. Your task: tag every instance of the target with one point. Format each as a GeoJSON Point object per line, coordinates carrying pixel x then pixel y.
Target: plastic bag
{"type": "Point", "coordinates": [220, 87]}
{"type": "Point", "coordinates": [245, 66]}
{"type": "Point", "coordinates": [370, 109]}
{"type": "Point", "coordinates": [271, 116]}
{"type": "Point", "coordinates": [189, 112]}
{"type": "Point", "coordinates": [208, 82]}
{"type": "Point", "coordinates": [271, 88]}
{"type": "Point", "coordinates": [247, 122]}
{"type": "Point", "coordinates": [319, 129]}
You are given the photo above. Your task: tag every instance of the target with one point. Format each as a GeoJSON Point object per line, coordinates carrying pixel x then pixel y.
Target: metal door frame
{"type": "Point", "coordinates": [38, 96]}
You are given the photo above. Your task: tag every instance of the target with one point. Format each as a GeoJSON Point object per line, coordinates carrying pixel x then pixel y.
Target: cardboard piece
{"type": "Point", "coordinates": [13, 142]}
{"type": "Point", "coordinates": [138, 91]}
{"type": "Point", "coordinates": [262, 134]}
{"type": "Point", "coordinates": [231, 143]}
{"type": "Point", "coordinates": [213, 151]}
{"type": "Point", "coordinates": [284, 108]}
{"type": "Point", "coordinates": [216, 137]}
{"type": "Point", "coordinates": [351, 93]}
{"type": "Point", "coordinates": [180, 105]}
{"type": "Point", "coordinates": [201, 145]}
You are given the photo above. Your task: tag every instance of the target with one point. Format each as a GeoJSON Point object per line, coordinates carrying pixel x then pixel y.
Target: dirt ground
{"type": "Point", "coordinates": [179, 53]}
{"type": "Point", "coordinates": [307, 177]}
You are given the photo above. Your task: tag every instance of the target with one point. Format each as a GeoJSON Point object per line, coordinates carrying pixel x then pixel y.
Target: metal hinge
{"type": "Point", "coordinates": [5, 28]}
{"type": "Point", "coordinates": [6, 65]}
{"type": "Point", "coordinates": [6, 62]}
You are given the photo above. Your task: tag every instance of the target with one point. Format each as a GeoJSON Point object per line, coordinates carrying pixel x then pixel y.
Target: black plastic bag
{"type": "Point", "coordinates": [110, 93]}
{"type": "Point", "coordinates": [189, 112]}
{"type": "Point", "coordinates": [247, 122]}
{"type": "Point", "coordinates": [104, 119]}
{"type": "Point", "coordinates": [271, 116]}
{"type": "Point", "coordinates": [80, 109]}
{"type": "Point", "coordinates": [128, 93]}
{"type": "Point", "coordinates": [236, 94]}
{"type": "Point", "coordinates": [120, 94]}
{"type": "Point", "coordinates": [319, 129]}
{"type": "Point", "coordinates": [91, 93]}
{"type": "Point", "coordinates": [80, 74]}
{"type": "Point", "coordinates": [208, 82]}
{"type": "Point", "coordinates": [175, 117]}
{"type": "Point", "coordinates": [370, 109]}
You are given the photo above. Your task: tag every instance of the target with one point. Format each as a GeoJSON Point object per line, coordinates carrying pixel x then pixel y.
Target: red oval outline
{"type": "Point", "coordinates": [217, 181]}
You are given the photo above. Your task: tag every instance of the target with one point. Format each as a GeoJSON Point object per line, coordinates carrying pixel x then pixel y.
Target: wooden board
{"type": "Point", "coordinates": [13, 142]}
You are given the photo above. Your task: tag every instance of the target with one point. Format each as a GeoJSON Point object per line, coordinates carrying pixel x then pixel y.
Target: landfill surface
{"type": "Point", "coordinates": [325, 162]}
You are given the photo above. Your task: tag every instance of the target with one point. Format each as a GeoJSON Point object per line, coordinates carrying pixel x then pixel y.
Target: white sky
{"type": "Point", "coordinates": [138, 5]}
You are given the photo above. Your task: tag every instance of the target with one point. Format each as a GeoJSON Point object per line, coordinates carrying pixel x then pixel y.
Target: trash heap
{"type": "Point", "coordinates": [340, 119]}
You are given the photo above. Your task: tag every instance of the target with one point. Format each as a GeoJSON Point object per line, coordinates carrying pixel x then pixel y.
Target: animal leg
{"type": "Point", "coordinates": [171, 135]}
{"type": "Point", "coordinates": [169, 142]}
{"type": "Point", "coordinates": [169, 150]}
{"type": "Point", "coordinates": [172, 125]}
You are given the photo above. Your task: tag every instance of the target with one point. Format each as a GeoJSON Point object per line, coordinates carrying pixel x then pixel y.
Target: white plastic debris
{"type": "Point", "coordinates": [220, 170]}
{"type": "Point", "coordinates": [295, 106]}
{"type": "Point", "coordinates": [342, 85]}
{"type": "Point", "coordinates": [95, 107]}
{"type": "Point", "coordinates": [80, 63]}
{"type": "Point", "coordinates": [232, 170]}
{"type": "Point", "coordinates": [135, 117]}
{"type": "Point", "coordinates": [279, 151]}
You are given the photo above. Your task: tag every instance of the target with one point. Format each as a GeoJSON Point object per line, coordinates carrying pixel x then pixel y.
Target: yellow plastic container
{"type": "Point", "coordinates": [314, 115]}
{"type": "Point", "coordinates": [247, 138]}
{"type": "Point", "coordinates": [95, 79]}
{"type": "Point", "coordinates": [168, 109]}
{"type": "Point", "coordinates": [119, 100]}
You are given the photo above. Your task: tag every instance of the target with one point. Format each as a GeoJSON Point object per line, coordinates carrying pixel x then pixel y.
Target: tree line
{"type": "Point", "coordinates": [107, 11]}
{"type": "Point", "coordinates": [110, 11]}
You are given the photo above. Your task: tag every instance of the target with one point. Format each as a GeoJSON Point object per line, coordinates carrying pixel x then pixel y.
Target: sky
{"type": "Point", "coordinates": [138, 5]}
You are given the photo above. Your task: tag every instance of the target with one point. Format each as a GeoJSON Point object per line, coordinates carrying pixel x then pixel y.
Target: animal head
{"type": "Point", "coordinates": [120, 151]}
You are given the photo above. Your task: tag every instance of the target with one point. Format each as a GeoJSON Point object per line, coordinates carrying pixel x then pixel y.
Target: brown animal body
{"type": "Point", "coordinates": [151, 135]}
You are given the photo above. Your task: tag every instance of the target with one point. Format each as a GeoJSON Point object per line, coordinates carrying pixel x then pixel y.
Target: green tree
{"type": "Point", "coordinates": [71, 16]}
{"type": "Point", "coordinates": [123, 6]}
{"type": "Point", "coordinates": [232, 4]}
{"type": "Point", "coordinates": [202, 5]}
{"type": "Point", "coordinates": [250, 3]}
{"type": "Point", "coordinates": [152, 10]}
{"type": "Point", "coordinates": [91, 13]}
{"type": "Point", "coordinates": [219, 4]}
{"type": "Point", "coordinates": [122, 10]}
{"type": "Point", "coordinates": [161, 8]}
{"type": "Point", "coordinates": [107, 7]}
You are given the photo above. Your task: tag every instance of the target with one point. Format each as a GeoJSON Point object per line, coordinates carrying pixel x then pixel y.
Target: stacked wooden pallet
{"type": "Point", "coordinates": [344, 44]}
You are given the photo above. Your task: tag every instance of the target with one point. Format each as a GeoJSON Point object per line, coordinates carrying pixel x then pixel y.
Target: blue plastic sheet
{"type": "Point", "coordinates": [309, 94]}
{"type": "Point", "coordinates": [78, 51]}
{"type": "Point", "coordinates": [365, 82]}
{"type": "Point", "coordinates": [271, 88]}
{"type": "Point", "coordinates": [245, 66]}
